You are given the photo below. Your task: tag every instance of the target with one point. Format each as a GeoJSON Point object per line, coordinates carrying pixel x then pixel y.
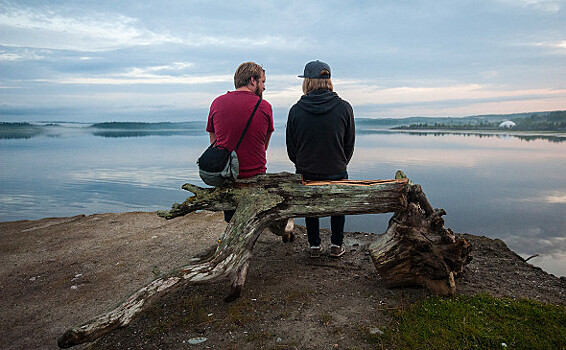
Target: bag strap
{"type": "Point", "coordinates": [248, 124]}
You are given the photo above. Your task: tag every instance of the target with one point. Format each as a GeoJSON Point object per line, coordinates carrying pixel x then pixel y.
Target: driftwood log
{"type": "Point", "coordinates": [268, 201]}
{"type": "Point", "coordinates": [417, 250]}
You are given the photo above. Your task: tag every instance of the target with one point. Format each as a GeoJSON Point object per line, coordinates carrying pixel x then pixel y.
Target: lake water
{"type": "Point", "coordinates": [500, 186]}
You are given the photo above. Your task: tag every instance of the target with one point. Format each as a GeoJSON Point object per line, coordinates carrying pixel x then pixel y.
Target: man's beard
{"type": "Point", "coordinates": [258, 91]}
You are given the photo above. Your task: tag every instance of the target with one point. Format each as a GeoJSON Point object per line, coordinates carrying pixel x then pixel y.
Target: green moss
{"type": "Point", "coordinates": [477, 322]}
{"type": "Point", "coordinates": [244, 311]}
{"type": "Point", "coordinates": [190, 310]}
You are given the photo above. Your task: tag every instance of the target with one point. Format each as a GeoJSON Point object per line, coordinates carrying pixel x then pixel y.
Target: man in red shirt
{"type": "Point", "coordinates": [229, 114]}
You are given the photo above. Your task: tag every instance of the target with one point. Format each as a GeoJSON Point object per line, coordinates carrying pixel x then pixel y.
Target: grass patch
{"type": "Point", "coordinates": [476, 322]}
{"type": "Point", "coordinates": [241, 313]}
{"type": "Point", "coordinates": [188, 311]}
{"type": "Point", "coordinates": [245, 311]}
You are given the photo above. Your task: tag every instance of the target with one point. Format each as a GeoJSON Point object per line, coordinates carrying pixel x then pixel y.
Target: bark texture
{"type": "Point", "coordinates": [418, 250]}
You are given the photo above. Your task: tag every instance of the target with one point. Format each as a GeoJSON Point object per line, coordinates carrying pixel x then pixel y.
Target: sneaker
{"type": "Point", "coordinates": [290, 225]}
{"type": "Point", "coordinates": [315, 251]}
{"type": "Point", "coordinates": [337, 250]}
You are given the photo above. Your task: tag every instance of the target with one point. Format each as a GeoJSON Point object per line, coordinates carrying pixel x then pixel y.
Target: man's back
{"type": "Point", "coordinates": [227, 119]}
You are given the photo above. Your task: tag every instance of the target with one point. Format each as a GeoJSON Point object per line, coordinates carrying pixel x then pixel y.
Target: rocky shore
{"type": "Point", "coordinates": [60, 272]}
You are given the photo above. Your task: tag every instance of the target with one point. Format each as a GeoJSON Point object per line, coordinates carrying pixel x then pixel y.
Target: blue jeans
{"type": "Point", "coordinates": [336, 222]}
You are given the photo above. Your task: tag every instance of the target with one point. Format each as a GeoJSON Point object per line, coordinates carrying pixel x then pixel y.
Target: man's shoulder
{"type": "Point", "coordinates": [266, 106]}
{"type": "Point", "coordinates": [222, 98]}
{"type": "Point", "coordinates": [265, 103]}
{"type": "Point", "coordinates": [239, 96]}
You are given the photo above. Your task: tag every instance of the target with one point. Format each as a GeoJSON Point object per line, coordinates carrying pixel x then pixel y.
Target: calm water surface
{"type": "Point", "coordinates": [499, 186]}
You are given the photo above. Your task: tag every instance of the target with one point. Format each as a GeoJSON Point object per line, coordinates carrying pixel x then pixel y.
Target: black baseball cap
{"type": "Point", "coordinates": [313, 70]}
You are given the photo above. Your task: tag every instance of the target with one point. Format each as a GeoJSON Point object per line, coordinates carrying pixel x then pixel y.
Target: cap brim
{"type": "Point", "coordinates": [301, 76]}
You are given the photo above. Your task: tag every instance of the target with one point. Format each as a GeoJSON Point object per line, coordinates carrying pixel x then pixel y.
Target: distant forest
{"type": "Point", "coordinates": [25, 130]}
{"type": "Point", "coordinates": [19, 130]}
{"type": "Point", "coordinates": [147, 126]}
{"type": "Point", "coordinates": [554, 121]}
{"type": "Point", "coordinates": [541, 121]}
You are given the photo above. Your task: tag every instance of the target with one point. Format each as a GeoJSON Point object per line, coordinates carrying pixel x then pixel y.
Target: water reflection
{"type": "Point", "coordinates": [523, 136]}
{"type": "Point", "coordinates": [502, 187]}
{"type": "Point", "coordinates": [558, 138]}
{"type": "Point", "coordinates": [121, 129]}
{"type": "Point", "coordinates": [19, 131]}
{"type": "Point", "coordinates": [133, 133]}
{"type": "Point", "coordinates": [114, 129]}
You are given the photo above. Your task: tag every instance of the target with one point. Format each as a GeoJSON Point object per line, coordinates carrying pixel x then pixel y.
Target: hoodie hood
{"type": "Point", "coordinates": [319, 101]}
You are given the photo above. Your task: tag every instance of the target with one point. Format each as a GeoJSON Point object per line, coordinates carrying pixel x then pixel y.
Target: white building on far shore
{"type": "Point", "coordinates": [507, 124]}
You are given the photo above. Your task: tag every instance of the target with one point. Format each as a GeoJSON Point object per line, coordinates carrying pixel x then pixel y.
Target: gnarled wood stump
{"type": "Point", "coordinates": [417, 250]}
{"type": "Point", "coordinates": [260, 202]}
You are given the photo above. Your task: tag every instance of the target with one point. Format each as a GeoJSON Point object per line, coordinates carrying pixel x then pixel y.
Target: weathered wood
{"type": "Point", "coordinates": [416, 249]}
{"type": "Point", "coordinates": [259, 202]}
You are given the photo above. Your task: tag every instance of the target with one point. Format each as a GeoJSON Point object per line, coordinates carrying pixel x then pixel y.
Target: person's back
{"type": "Point", "coordinates": [229, 115]}
{"type": "Point", "coordinates": [320, 141]}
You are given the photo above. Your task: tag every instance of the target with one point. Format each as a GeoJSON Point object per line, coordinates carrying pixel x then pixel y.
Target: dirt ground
{"type": "Point", "coordinates": [60, 272]}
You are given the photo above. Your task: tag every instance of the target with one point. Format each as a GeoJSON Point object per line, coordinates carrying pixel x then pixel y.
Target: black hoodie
{"type": "Point", "coordinates": [321, 133]}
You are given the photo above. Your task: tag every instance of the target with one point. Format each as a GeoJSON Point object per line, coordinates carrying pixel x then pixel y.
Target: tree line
{"type": "Point", "coordinates": [551, 121]}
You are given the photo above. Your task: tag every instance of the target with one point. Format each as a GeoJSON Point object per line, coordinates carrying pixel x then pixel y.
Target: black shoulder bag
{"type": "Point", "coordinates": [217, 164]}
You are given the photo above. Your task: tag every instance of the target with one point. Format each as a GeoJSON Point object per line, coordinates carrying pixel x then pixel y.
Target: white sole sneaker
{"type": "Point", "coordinates": [337, 251]}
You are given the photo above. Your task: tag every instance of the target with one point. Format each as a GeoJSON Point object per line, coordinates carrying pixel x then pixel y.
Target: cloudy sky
{"type": "Point", "coordinates": [86, 60]}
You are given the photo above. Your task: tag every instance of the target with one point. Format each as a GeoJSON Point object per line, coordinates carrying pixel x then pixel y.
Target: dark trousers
{"type": "Point", "coordinates": [336, 226]}
{"type": "Point", "coordinates": [228, 215]}
{"type": "Point", "coordinates": [336, 222]}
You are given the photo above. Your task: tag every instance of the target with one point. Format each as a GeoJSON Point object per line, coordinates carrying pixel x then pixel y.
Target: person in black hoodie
{"type": "Point", "coordinates": [320, 142]}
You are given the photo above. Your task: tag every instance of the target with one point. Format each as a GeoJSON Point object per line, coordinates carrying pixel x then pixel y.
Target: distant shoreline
{"type": "Point", "coordinates": [476, 129]}
{"type": "Point", "coordinates": [510, 132]}
{"type": "Point", "coordinates": [552, 127]}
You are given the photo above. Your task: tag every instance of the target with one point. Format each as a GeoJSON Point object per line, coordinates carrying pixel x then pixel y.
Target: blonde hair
{"type": "Point", "coordinates": [246, 71]}
{"type": "Point", "coordinates": [311, 84]}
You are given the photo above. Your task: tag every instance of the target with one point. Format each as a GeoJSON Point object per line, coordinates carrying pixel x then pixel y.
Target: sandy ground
{"type": "Point", "coordinates": [60, 272]}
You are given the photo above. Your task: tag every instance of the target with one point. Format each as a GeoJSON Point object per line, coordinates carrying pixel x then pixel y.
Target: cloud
{"type": "Point", "coordinates": [101, 31]}
{"type": "Point", "coordinates": [364, 93]}
{"type": "Point", "coordinates": [11, 57]}
{"type": "Point", "coordinates": [173, 67]}
{"type": "Point", "coordinates": [30, 27]}
{"type": "Point", "coordinates": [554, 197]}
{"type": "Point", "coordinates": [551, 6]}
{"type": "Point", "coordinates": [558, 45]}
{"type": "Point", "coordinates": [224, 41]}
{"type": "Point", "coordinates": [20, 55]}
{"type": "Point", "coordinates": [452, 59]}
{"type": "Point", "coordinates": [140, 77]}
